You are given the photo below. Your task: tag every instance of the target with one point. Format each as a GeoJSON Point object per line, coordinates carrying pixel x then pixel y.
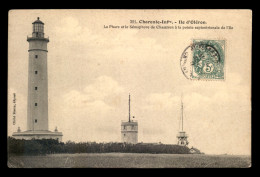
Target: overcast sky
{"type": "Point", "coordinates": [91, 71]}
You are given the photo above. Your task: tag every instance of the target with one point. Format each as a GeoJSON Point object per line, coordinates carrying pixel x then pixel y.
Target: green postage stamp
{"type": "Point", "coordinates": [204, 59]}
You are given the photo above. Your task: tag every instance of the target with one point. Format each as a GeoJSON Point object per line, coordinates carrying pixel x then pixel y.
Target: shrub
{"type": "Point", "coordinates": [49, 146]}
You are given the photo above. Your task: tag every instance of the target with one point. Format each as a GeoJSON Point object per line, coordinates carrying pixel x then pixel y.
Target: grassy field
{"type": "Point", "coordinates": [128, 160]}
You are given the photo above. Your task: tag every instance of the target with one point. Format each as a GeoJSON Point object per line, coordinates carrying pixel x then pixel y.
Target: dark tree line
{"type": "Point", "coordinates": [49, 146]}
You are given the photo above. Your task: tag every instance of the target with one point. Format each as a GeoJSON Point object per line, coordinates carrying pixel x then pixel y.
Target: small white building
{"type": "Point", "coordinates": [129, 132]}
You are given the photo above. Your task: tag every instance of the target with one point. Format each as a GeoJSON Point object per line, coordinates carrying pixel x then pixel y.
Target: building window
{"type": "Point", "coordinates": [35, 104]}
{"type": "Point", "coordinates": [36, 56]}
{"type": "Point", "coordinates": [35, 120]}
{"type": "Point", "coordinates": [124, 127]}
{"type": "Point", "coordinates": [36, 72]}
{"type": "Point", "coordinates": [35, 88]}
{"type": "Point", "coordinates": [124, 134]}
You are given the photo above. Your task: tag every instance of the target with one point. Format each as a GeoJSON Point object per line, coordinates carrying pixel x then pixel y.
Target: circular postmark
{"type": "Point", "coordinates": [203, 59]}
{"type": "Point", "coordinates": [186, 62]}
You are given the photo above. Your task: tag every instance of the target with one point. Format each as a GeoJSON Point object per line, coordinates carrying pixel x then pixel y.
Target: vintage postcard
{"type": "Point", "coordinates": [129, 88]}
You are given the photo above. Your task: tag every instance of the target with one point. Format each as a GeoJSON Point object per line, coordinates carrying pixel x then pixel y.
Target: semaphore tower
{"type": "Point", "coordinates": [129, 129]}
{"type": "Point", "coordinates": [182, 135]}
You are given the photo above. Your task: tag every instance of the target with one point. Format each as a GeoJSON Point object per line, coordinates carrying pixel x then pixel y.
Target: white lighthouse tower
{"type": "Point", "coordinates": [129, 129]}
{"type": "Point", "coordinates": [37, 105]}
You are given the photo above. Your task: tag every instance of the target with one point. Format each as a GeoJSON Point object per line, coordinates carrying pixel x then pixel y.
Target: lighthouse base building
{"type": "Point", "coordinates": [44, 134]}
{"type": "Point", "coordinates": [37, 100]}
